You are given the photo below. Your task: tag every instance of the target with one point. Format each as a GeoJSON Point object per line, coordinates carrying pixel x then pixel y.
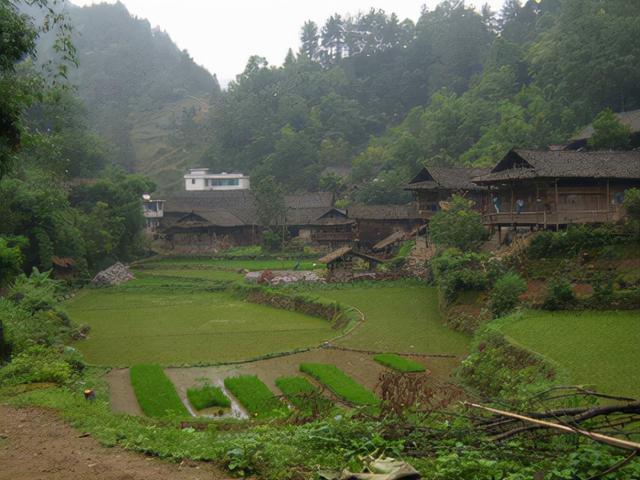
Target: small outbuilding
{"type": "Point", "coordinates": [374, 223]}
{"type": "Point", "coordinates": [346, 257]}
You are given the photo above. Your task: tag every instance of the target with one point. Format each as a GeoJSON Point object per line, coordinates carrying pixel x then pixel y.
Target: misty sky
{"type": "Point", "coordinates": [222, 34]}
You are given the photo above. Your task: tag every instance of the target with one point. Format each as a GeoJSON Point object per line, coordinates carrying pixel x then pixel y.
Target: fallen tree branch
{"type": "Point", "coordinates": [613, 441]}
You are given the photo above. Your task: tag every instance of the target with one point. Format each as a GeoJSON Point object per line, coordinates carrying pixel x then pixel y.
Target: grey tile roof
{"type": "Point", "coordinates": [447, 178]}
{"type": "Point", "coordinates": [527, 164]}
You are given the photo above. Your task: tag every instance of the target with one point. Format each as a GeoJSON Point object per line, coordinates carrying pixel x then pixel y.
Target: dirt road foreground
{"type": "Point", "coordinates": [35, 445]}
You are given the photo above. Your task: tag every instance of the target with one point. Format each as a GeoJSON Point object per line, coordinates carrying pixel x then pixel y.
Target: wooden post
{"type": "Point", "coordinates": [607, 202]}
{"type": "Point", "coordinates": [555, 184]}
{"type": "Point", "coordinates": [511, 205]}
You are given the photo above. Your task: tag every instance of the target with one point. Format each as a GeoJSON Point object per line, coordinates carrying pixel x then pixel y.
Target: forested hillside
{"type": "Point", "coordinates": [142, 94]}
{"type": "Point", "coordinates": [378, 97]}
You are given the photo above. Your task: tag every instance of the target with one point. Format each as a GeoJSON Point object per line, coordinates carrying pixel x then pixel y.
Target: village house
{"type": "Point", "coordinates": [374, 223]}
{"type": "Point", "coordinates": [200, 179]}
{"type": "Point", "coordinates": [153, 211]}
{"type": "Point", "coordinates": [332, 229]}
{"type": "Point", "coordinates": [213, 220]}
{"type": "Point", "coordinates": [557, 188]}
{"type": "Point", "coordinates": [434, 185]}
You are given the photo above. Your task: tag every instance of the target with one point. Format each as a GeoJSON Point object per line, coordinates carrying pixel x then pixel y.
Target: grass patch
{"type": "Point", "coordinates": [303, 394]}
{"type": "Point", "coordinates": [340, 383]}
{"type": "Point", "coordinates": [255, 396]}
{"type": "Point", "coordinates": [593, 348]}
{"type": "Point", "coordinates": [207, 396]}
{"type": "Point", "coordinates": [156, 394]}
{"type": "Point", "coordinates": [399, 363]}
{"type": "Point", "coordinates": [185, 327]}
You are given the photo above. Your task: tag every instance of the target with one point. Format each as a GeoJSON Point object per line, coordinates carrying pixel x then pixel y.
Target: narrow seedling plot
{"type": "Point", "coordinates": [303, 395]}
{"type": "Point", "coordinates": [156, 394]}
{"type": "Point", "coordinates": [340, 383]}
{"type": "Point", "coordinates": [399, 363]}
{"type": "Point", "coordinates": [208, 397]}
{"type": "Point", "coordinates": [255, 396]}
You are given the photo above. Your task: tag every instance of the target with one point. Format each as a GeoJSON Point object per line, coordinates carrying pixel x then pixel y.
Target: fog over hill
{"type": "Point", "coordinates": [143, 95]}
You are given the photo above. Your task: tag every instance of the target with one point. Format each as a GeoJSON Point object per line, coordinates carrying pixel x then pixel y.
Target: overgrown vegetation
{"type": "Point", "coordinates": [505, 293]}
{"type": "Point", "coordinates": [207, 396]}
{"type": "Point", "coordinates": [458, 226]}
{"type": "Point", "coordinates": [499, 369]}
{"type": "Point", "coordinates": [399, 363]}
{"type": "Point", "coordinates": [156, 394]}
{"type": "Point", "coordinates": [340, 383]}
{"type": "Point", "coordinates": [255, 396]}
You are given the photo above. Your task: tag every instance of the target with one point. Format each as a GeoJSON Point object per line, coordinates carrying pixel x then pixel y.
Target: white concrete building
{"type": "Point", "coordinates": [201, 179]}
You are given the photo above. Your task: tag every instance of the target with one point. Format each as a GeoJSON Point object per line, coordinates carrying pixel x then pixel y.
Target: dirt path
{"type": "Point", "coordinates": [36, 445]}
{"type": "Point", "coordinates": [121, 395]}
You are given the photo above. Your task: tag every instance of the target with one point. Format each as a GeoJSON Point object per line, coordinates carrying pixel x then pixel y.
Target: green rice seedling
{"type": "Point", "coordinates": [255, 396]}
{"type": "Point", "coordinates": [303, 395]}
{"type": "Point", "coordinates": [340, 383]}
{"type": "Point", "coordinates": [156, 394]}
{"type": "Point", "coordinates": [399, 363]}
{"type": "Point", "coordinates": [207, 396]}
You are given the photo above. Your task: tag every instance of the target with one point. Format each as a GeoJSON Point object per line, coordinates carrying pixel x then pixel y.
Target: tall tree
{"type": "Point", "coordinates": [333, 39]}
{"type": "Point", "coordinates": [309, 39]}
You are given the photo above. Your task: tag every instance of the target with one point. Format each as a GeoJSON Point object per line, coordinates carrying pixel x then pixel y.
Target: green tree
{"type": "Point", "coordinates": [20, 86]}
{"type": "Point", "coordinates": [609, 133]}
{"type": "Point", "coordinates": [269, 200]}
{"type": "Point", "coordinates": [309, 39]}
{"type": "Point", "coordinates": [458, 226]}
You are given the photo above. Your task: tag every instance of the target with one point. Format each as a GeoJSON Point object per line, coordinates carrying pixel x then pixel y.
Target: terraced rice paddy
{"type": "Point", "coordinates": [597, 349]}
{"type": "Point", "coordinates": [186, 327]}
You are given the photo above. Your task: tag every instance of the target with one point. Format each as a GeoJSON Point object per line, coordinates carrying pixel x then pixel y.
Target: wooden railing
{"type": "Point", "coordinates": [554, 218]}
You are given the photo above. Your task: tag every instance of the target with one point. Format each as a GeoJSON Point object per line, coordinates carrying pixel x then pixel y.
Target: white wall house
{"type": "Point", "coordinates": [202, 179]}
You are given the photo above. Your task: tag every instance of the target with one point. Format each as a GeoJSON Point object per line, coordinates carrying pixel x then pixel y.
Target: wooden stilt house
{"type": "Point", "coordinates": [556, 188]}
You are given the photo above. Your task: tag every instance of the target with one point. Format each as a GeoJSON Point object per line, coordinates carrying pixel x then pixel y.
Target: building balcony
{"type": "Point", "coordinates": [562, 217]}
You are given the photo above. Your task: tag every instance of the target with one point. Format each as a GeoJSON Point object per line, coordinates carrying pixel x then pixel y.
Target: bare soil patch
{"type": "Point", "coordinates": [38, 445]}
{"type": "Point", "coordinates": [121, 395]}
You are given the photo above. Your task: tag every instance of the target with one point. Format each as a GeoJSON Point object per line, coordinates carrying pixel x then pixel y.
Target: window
{"type": "Point", "coordinates": [225, 182]}
{"type": "Point", "coordinates": [193, 181]}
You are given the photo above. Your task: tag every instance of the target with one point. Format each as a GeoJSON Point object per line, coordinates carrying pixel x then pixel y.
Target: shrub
{"type": "Point", "coordinates": [156, 394]}
{"type": "Point", "coordinates": [37, 364]}
{"type": "Point", "coordinates": [340, 383]}
{"type": "Point", "coordinates": [573, 240]}
{"type": "Point", "coordinates": [559, 295]}
{"type": "Point", "coordinates": [207, 396]}
{"type": "Point", "coordinates": [271, 241]}
{"type": "Point", "coordinates": [303, 395]}
{"type": "Point", "coordinates": [399, 363]}
{"type": "Point", "coordinates": [11, 259]}
{"type": "Point", "coordinates": [454, 271]}
{"type": "Point", "coordinates": [24, 328]}
{"type": "Point", "coordinates": [602, 292]}
{"type": "Point", "coordinates": [505, 293]}
{"type": "Point", "coordinates": [255, 396]}
{"type": "Point", "coordinates": [460, 226]}
{"type": "Point", "coordinates": [35, 292]}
